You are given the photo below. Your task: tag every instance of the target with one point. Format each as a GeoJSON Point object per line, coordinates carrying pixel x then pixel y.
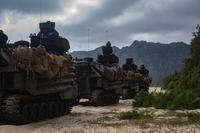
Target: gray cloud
{"type": "Point", "coordinates": [31, 6]}
{"type": "Point", "coordinates": [125, 20]}
{"type": "Point", "coordinates": [157, 18]}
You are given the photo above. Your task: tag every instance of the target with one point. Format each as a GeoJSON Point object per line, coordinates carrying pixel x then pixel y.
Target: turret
{"type": "Point", "coordinates": [50, 38]}
{"type": "Point", "coordinates": [47, 27]}
{"type": "Point", "coordinates": [129, 60]}
{"type": "Point", "coordinates": [129, 66]}
{"type": "Point", "coordinates": [107, 49]}
{"type": "Point", "coordinates": [107, 57]}
{"type": "Point", "coordinates": [144, 71]}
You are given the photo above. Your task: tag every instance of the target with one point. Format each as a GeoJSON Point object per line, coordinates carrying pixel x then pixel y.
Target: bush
{"type": "Point", "coordinates": [193, 117]}
{"type": "Point", "coordinates": [184, 80]}
{"type": "Point", "coordinates": [140, 102]}
{"type": "Point", "coordinates": [173, 99]}
{"type": "Point", "coordinates": [135, 115]}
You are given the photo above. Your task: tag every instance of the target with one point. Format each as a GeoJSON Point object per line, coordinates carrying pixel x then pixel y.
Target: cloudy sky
{"type": "Point", "coordinates": [90, 23]}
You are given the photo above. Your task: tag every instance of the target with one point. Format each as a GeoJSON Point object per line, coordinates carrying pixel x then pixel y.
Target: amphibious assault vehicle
{"type": "Point", "coordinates": [39, 82]}
{"type": "Point", "coordinates": [134, 79]}
{"type": "Point", "coordinates": [99, 81]}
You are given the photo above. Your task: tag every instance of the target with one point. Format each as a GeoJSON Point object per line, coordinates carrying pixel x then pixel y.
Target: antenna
{"type": "Point", "coordinates": [88, 38]}
{"type": "Point", "coordinates": [106, 35]}
{"type": "Point", "coordinates": [41, 17]}
{"type": "Point", "coordinates": [40, 11]}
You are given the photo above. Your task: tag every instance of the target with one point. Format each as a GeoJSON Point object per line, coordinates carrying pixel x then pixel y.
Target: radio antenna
{"type": "Point", "coordinates": [40, 11]}
{"type": "Point", "coordinates": [106, 35]}
{"type": "Point", "coordinates": [88, 38]}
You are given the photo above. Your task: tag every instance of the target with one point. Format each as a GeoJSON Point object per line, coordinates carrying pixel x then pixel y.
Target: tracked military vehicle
{"type": "Point", "coordinates": [36, 83]}
{"type": "Point", "coordinates": [99, 81]}
{"type": "Point", "coordinates": [134, 79]}
{"type": "Point", "coordinates": [146, 80]}
{"type": "Point", "coordinates": [131, 79]}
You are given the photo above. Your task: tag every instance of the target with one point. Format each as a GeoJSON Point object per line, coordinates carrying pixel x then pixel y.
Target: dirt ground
{"type": "Point", "coordinates": [105, 120]}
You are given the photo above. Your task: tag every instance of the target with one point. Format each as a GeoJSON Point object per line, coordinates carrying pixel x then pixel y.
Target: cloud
{"type": "Point", "coordinates": [153, 20]}
{"type": "Point", "coordinates": [31, 6]}
{"type": "Point", "coordinates": [120, 21]}
{"type": "Point", "coordinates": [19, 23]}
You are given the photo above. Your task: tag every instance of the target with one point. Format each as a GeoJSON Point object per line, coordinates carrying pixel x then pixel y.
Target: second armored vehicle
{"type": "Point", "coordinates": [99, 81]}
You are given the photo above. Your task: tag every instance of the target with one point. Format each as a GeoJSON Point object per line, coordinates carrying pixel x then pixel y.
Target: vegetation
{"type": "Point", "coordinates": [193, 117]}
{"type": "Point", "coordinates": [173, 99]}
{"type": "Point", "coordinates": [135, 114]}
{"type": "Point", "coordinates": [189, 77]}
{"type": "Point", "coordinates": [182, 88]}
{"type": "Point", "coordinates": [185, 80]}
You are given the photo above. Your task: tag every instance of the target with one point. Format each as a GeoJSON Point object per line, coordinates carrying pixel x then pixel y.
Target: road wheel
{"type": "Point", "coordinates": [62, 108]}
{"type": "Point", "coordinates": [26, 111]}
{"type": "Point", "coordinates": [56, 109]}
{"type": "Point", "coordinates": [43, 113]}
{"type": "Point", "coordinates": [34, 112]}
{"type": "Point", "coordinates": [51, 109]}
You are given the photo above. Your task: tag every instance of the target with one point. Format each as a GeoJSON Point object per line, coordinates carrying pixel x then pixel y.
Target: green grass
{"type": "Point", "coordinates": [171, 99]}
{"type": "Point", "coordinates": [193, 117]}
{"type": "Point", "coordinates": [135, 114]}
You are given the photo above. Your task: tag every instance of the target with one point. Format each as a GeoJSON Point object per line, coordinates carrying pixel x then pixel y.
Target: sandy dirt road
{"type": "Point", "coordinates": [103, 120]}
{"type": "Point", "coordinates": [81, 119]}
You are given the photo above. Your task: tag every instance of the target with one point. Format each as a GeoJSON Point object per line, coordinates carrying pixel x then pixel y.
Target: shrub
{"type": "Point", "coordinates": [135, 114]}
{"type": "Point", "coordinates": [140, 99]}
{"type": "Point", "coordinates": [172, 99]}
{"type": "Point", "coordinates": [193, 117]}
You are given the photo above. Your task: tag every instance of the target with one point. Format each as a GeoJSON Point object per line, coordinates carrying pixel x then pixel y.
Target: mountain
{"type": "Point", "coordinates": [160, 59]}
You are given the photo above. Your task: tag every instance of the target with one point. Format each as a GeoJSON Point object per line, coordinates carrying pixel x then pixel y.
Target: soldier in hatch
{"type": "Point", "coordinates": [144, 71]}
{"type": "Point", "coordinates": [108, 57]}
{"type": "Point", "coordinates": [107, 49]}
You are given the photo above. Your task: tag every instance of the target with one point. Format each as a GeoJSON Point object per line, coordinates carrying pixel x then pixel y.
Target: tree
{"type": "Point", "coordinates": [195, 47]}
